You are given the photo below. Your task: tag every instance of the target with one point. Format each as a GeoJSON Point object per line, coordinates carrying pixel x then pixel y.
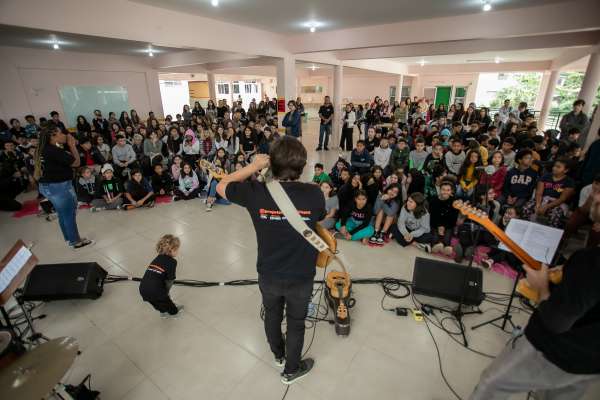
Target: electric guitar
{"type": "Point", "coordinates": [217, 172]}
{"type": "Point", "coordinates": [476, 215]}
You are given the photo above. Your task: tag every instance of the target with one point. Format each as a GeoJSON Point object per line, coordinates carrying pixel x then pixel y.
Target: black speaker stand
{"type": "Point", "coordinates": [458, 314]}
{"type": "Point", "coordinates": [34, 337]}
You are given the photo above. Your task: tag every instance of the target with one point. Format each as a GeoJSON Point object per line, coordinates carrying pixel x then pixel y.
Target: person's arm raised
{"type": "Point", "coordinates": [260, 162]}
{"type": "Point", "coordinates": [72, 144]}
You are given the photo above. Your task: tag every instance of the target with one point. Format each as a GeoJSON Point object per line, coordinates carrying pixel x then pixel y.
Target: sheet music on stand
{"type": "Point", "coordinates": [15, 266]}
{"type": "Point", "coordinates": [539, 241]}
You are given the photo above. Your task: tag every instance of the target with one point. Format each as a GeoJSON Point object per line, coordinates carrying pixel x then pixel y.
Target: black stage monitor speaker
{"type": "Point", "coordinates": [65, 281]}
{"type": "Point", "coordinates": [450, 281]}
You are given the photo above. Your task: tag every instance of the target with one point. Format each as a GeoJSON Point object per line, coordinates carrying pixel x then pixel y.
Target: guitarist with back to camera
{"type": "Point", "coordinates": [286, 261]}
{"type": "Point", "coordinates": [559, 354]}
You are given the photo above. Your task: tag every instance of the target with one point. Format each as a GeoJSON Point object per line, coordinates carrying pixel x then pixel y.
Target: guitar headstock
{"type": "Point", "coordinates": [471, 212]}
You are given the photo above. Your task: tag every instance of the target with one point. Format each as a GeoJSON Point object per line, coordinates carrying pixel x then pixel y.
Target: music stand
{"type": "Point", "coordinates": [15, 266]}
{"type": "Point", "coordinates": [506, 316]}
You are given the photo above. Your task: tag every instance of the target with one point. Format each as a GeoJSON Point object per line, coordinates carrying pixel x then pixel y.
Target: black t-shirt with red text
{"type": "Point", "coordinates": [554, 188]}
{"type": "Point", "coordinates": [282, 252]}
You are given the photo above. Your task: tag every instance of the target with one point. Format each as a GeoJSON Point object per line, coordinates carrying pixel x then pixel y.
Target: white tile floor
{"type": "Point", "coordinates": [217, 349]}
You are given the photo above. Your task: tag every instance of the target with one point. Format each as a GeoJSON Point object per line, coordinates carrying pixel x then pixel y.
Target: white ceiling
{"type": "Point", "coordinates": [290, 16]}
{"type": "Point", "coordinates": [485, 57]}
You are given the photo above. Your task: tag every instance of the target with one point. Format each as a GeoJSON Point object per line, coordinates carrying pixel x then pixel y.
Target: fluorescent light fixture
{"type": "Point", "coordinates": [215, 3]}
{"type": "Point", "coordinates": [150, 53]}
{"type": "Point", "coordinates": [313, 29]}
{"type": "Point", "coordinates": [55, 46]}
{"type": "Point", "coordinates": [497, 60]}
{"type": "Point", "coordinates": [313, 67]}
{"type": "Point", "coordinates": [487, 6]}
{"type": "Point", "coordinates": [422, 63]}
{"type": "Point", "coordinates": [312, 25]}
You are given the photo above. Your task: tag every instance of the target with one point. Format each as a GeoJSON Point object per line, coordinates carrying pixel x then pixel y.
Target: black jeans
{"type": "Point", "coordinates": [295, 296]}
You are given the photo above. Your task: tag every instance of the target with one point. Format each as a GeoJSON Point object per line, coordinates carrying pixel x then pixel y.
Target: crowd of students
{"type": "Point", "coordinates": [413, 160]}
{"type": "Point", "coordinates": [398, 182]}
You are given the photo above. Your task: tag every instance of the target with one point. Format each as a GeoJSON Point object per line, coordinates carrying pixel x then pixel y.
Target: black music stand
{"type": "Point", "coordinates": [506, 316]}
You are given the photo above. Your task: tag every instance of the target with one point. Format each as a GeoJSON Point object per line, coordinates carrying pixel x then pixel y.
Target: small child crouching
{"type": "Point", "coordinates": [159, 277]}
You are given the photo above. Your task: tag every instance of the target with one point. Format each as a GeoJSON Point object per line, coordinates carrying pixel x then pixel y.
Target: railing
{"type": "Point", "coordinates": [551, 122]}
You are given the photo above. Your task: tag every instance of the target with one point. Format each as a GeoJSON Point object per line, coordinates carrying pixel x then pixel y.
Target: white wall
{"type": "Point", "coordinates": [174, 96]}
{"type": "Point", "coordinates": [30, 80]}
{"type": "Point", "coordinates": [468, 80]}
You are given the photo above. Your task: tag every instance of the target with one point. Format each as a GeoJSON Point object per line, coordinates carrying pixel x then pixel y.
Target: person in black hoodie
{"type": "Point", "coordinates": [159, 277]}
{"type": "Point", "coordinates": [347, 192]}
{"type": "Point", "coordinates": [443, 218]}
{"type": "Point", "coordinates": [355, 224]}
{"type": "Point", "coordinates": [90, 156]}
{"type": "Point", "coordinates": [139, 192]}
{"type": "Point", "coordinates": [162, 183]}
{"type": "Point", "coordinates": [520, 181]}
{"type": "Point", "coordinates": [337, 172]}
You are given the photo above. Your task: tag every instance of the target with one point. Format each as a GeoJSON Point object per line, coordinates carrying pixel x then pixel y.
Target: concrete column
{"type": "Point", "coordinates": [592, 134]}
{"type": "Point", "coordinates": [286, 82]}
{"type": "Point", "coordinates": [547, 91]}
{"type": "Point", "coordinates": [591, 81]}
{"type": "Point", "coordinates": [212, 86]}
{"type": "Point", "coordinates": [338, 90]}
{"type": "Point", "coordinates": [399, 88]}
{"type": "Point", "coordinates": [539, 99]}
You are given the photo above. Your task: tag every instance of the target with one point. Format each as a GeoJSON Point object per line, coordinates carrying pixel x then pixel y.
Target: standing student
{"type": "Point", "coordinates": [54, 171]}
{"type": "Point", "coordinates": [159, 277]}
{"type": "Point", "coordinates": [286, 261]}
{"type": "Point", "coordinates": [413, 223]}
{"type": "Point", "coordinates": [348, 120]}
{"type": "Point", "coordinates": [326, 115]}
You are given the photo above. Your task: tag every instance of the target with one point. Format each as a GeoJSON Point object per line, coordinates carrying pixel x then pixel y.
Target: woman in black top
{"type": "Point", "coordinates": [54, 171]}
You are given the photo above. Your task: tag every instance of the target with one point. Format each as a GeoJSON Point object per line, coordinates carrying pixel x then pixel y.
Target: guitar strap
{"type": "Point", "coordinates": [293, 216]}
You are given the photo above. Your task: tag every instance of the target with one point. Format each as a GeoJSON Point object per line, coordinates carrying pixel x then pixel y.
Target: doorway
{"type": "Point", "coordinates": [442, 95]}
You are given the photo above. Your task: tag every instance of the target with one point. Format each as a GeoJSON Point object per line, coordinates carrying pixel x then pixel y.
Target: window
{"type": "Point", "coordinates": [236, 87]}
{"type": "Point", "coordinates": [405, 92]}
{"type": "Point", "coordinates": [459, 94]}
{"type": "Point", "coordinates": [311, 89]}
{"type": "Point", "coordinates": [502, 76]}
{"type": "Point", "coordinates": [171, 83]}
{"type": "Point", "coordinates": [223, 88]}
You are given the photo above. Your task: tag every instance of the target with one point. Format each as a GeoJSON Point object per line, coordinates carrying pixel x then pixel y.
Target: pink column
{"type": "Point", "coordinates": [591, 81]}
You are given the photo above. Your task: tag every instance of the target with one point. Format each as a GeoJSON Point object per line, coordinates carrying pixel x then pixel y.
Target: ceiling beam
{"type": "Point", "coordinates": [474, 46]}
{"type": "Point", "coordinates": [573, 55]}
{"type": "Point", "coordinates": [570, 16]}
{"type": "Point", "coordinates": [480, 67]}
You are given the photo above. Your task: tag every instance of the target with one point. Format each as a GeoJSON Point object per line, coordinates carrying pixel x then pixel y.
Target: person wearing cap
{"type": "Point", "coordinates": [109, 194]}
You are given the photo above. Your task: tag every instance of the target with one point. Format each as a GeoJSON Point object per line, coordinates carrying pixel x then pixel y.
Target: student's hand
{"type": "Point", "coordinates": [538, 280]}
{"type": "Point", "coordinates": [408, 237]}
{"type": "Point", "coordinates": [385, 197]}
{"type": "Point", "coordinates": [162, 192]}
{"type": "Point", "coordinates": [139, 203]}
{"type": "Point", "coordinates": [348, 236]}
{"type": "Point", "coordinates": [261, 161]}
{"type": "Point", "coordinates": [596, 227]}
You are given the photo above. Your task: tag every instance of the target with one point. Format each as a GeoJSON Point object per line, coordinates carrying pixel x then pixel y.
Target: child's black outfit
{"type": "Point", "coordinates": [162, 182]}
{"type": "Point", "coordinates": [157, 282]}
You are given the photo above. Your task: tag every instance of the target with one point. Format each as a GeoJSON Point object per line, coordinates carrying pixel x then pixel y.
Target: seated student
{"type": "Point", "coordinates": [86, 186]}
{"type": "Point", "coordinates": [162, 183]}
{"type": "Point", "coordinates": [400, 154]}
{"type": "Point", "coordinates": [496, 255]}
{"type": "Point", "coordinates": [320, 175]}
{"type": "Point", "coordinates": [159, 277]}
{"type": "Point", "coordinates": [496, 179]}
{"type": "Point", "coordinates": [413, 223]}
{"type": "Point", "coordinates": [417, 157]}
{"type": "Point", "coordinates": [103, 148]}
{"type": "Point", "coordinates": [355, 223]}
{"type": "Point", "coordinates": [371, 142]}
{"type": "Point", "coordinates": [415, 182]}
{"type": "Point", "coordinates": [138, 192]}
{"type": "Point", "coordinates": [443, 218]}
{"type": "Point", "coordinates": [552, 194]}
{"type": "Point", "coordinates": [482, 150]}
{"type": "Point", "coordinates": [248, 145]}
{"type": "Point", "coordinates": [456, 156]}
{"type": "Point", "coordinates": [190, 148]}
{"type": "Point", "coordinates": [382, 153]}
{"type": "Point", "coordinates": [90, 156]}
{"type": "Point", "coordinates": [436, 157]}
{"type": "Point", "coordinates": [189, 185]}
{"type": "Point", "coordinates": [207, 145]}
{"type": "Point", "coordinates": [373, 183]}
{"type": "Point", "coordinates": [360, 159]}
{"type": "Point", "coordinates": [347, 192]}
{"type": "Point", "coordinates": [468, 175]}
{"type": "Point", "coordinates": [507, 151]}
{"type": "Point", "coordinates": [385, 210]}
{"type": "Point", "coordinates": [434, 181]}
{"type": "Point", "coordinates": [176, 168]}
{"type": "Point", "coordinates": [222, 163]}
{"type": "Point", "coordinates": [109, 195]}
{"type": "Point", "coordinates": [520, 181]}
{"type": "Point", "coordinates": [123, 156]}
{"type": "Point", "coordinates": [336, 172]}
{"type": "Point", "coordinates": [332, 205]}
{"type": "Point", "coordinates": [581, 216]}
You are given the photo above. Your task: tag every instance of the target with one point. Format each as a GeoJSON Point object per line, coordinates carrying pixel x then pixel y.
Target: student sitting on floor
{"type": "Point", "coordinates": [331, 205]}
{"type": "Point", "coordinates": [336, 172]}
{"type": "Point", "coordinates": [355, 224]}
{"type": "Point", "coordinates": [138, 192]}
{"type": "Point", "coordinates": [176, 168]}
{"type": "Point", "coordinates": [417, 157]}
{"type": "Point", "coordinates": [221, 163]}
{"type": "Point", "coordinates": [110, 191]}
{"type": "Point", "coordinates": [496, 255]}
{"type": "Point", "coordinates": [581, 216]}
{"type": "Point", "coordinates": [553, 192]}
{"type": "Point", "coordinates": [443, 218]}
{"type": "Point", "coordinates": [413, 223]}
{"type": "Point", "coordinates": [162, 184]}
{"type": "Point", "coordinates": [385, 210]}
{"type": "Point", "coordinates": [86, 186]}
{"type": "Point", "coordinates": [360, 159]}
{"type": "Point", "coordinates": [468, 175]}
{"type": "Point", "coordinates": [320, 175]}
{"type": "Point", "coordinates": [159, 277]}
{"type": "Point", "coordinates": [189, 184]}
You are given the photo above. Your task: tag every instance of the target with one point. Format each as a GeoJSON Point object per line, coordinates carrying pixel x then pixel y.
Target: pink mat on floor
{"type": "Point", "coordinates": [30, 207]}
{"type": "Point", "coordinates": [163, 199]}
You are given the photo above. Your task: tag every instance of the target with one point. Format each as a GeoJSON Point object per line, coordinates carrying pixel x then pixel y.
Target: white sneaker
{"type": "Point", "coordinates": [487, 263]}
{"type": "Point", "coordinates": [424, 246]}
{"type": "Point", "coordinates": [208, 207]}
